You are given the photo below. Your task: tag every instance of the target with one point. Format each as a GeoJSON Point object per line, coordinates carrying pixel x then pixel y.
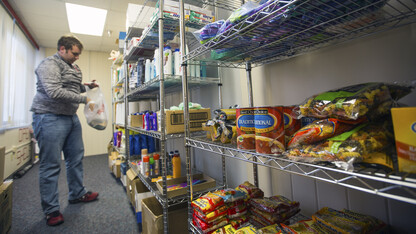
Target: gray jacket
{"type": "Point", "coordinates": [59, 87]}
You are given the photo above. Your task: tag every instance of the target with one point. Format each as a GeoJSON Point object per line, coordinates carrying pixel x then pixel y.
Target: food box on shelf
{"type": "Point", "coordinates": [175, 120]}
{"type": "Point", "coordinates": [207, 183]}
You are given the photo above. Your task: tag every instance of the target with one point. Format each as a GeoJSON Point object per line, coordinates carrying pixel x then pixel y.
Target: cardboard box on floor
{"type": "Point", "coordinates": [112, 159]}
{"type": "Point", "coordinates": [116, 168]}
{"type": "Point", "coordinates": [153, 217]}
{"type": "Point", "coordinates": [175, 120]}
{"type": "Point", "coordinates": [130, 179]}
{"type": "Point", "coordinates": [139, 193]}
{"type": "Point", "coordinates": [2, 162]}
{"type": "Point", "coordinates": [6, 190]}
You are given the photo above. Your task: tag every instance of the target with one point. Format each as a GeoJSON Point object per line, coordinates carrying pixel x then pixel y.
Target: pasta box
{"type": "Point", "coordinates": [175, 120]}
{"type": "Point", "coordinates": [177, 187]}
{"type": "Point", "coordinates": [404, 123]}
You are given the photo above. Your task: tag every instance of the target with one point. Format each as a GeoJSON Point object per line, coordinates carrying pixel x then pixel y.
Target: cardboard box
{"type": "Point", "coordinates": [175, 121]}
{"type": "Point", "coordinates": [209, 183]}
{"type": "Point", "coordinates": [136, 121]}
{"type": "Point", "coordinates": [152, 216]}
{"type": "Point", "coordinates": [2, 162]}
{"type": "Point", "coordinates": [139, 192]}
{"type": "Point", "coordinates": [404, 123]}
{"type": "Point", "coordinates": [116, 168]}
{"type": "Point", "coordinates": [6, 195]}
{"type": "Point", "coordinates": [130, 185]}
{"type": "Point", "coordinates": [112, 159]}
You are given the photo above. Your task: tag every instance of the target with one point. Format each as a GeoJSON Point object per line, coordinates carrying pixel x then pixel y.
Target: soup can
{"type": "Point", "coordinates": [245, 129]}
{"type": "Point", "coordinates": [269, 128]}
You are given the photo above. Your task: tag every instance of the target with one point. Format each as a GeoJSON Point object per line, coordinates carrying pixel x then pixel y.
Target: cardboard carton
{"type": "Point", "coordinates": [404, 123]}
{"type": "Point", "coordinates": [152, 217]}
{"type": "Point", "coordinates": [6, 190]}
{"type": "Point", "coordinates": [136, 121]}
{"type": "Point", "coordinates": [116, 168]}
{"type": "Point", "coordinates": [139, 192]}
{"type": "Point", "coordinates": [175, 120]}
{"type": "Point", "coordinates": [209, 183]}
{"type": "Point", "coordinates": [131, 178]}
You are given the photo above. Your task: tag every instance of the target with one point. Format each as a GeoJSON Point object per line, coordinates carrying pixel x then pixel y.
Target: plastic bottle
{"type": "Point", "coordinates": [144, 153]}
{"type": "Point", "coordinates": [146, 166]}
{"type": "Point", "coordinates": [154, 121]}
{"type": "Point", "coordinates": [177, 62]}
{"type": "Point", "coordinates": [167, 59]}
{"type": "Point", "coordinates": [197, 69]}
{"type": "Point", "coordinates": [176, 162]}
{"type": "Point", "coordinates": [148, 70]}
{"type": "Point", "coordinates": [153, 72]}
{"type": "Point", "coordinates": [157, 61]}
{"type": "Point", "coordinates": [169, 161]}
{"type": "Point", "coordinates": [156, 167]}
{"type": "Point", "coordinates": [203, 70]}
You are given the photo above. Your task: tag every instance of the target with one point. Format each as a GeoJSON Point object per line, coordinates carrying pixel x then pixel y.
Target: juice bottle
{"type": "Point", "coordinates": [176, 163]}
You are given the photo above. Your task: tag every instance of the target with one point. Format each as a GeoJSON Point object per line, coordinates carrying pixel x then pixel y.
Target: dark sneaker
{"type": "Point", "coordinates": [54, 218]}
{"type": "Point", "coordinates": [88, 197]}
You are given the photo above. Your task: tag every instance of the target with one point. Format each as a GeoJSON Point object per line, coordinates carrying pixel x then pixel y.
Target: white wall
{"type": "Point", "coordinates": [384, 57]}
{"type": "Point", "coordinates": [94, 66]}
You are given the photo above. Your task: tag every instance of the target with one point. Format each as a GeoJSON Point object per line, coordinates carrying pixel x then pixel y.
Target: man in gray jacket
{"type": "Point", "coordinates": [57, 128]}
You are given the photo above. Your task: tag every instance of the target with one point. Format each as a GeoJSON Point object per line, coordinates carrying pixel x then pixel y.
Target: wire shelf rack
{"type": "Point", "coordinates": [280, 30]}
{"type": "Point", "coordinates": [400, 187]}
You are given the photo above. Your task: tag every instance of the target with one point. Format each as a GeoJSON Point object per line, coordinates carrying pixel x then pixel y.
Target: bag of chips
{"type": "Point", "coordinates": [368, 100]}
{"type": "Point", "coordinates": [320, 130]}
{"type": "Point", "coordinates": [333, 220]}
{"type": "Point", "coordinates": [207, 203]}
{"type": "Point", "coordinates": [213, 216]}
{"type": "Point", "coordinates": [251, 190]}
{"type": "Point", "coordinates": [276, 204]}
{"type": "Point", "coordinates": [208, 227]}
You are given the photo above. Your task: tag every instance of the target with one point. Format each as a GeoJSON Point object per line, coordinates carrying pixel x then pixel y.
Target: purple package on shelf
{"type": "Point", "coordinates": [115, 139]}
{"type": "Point", "coordinates": [154, 121]}
{"type": "Point", "coordinates": [147, 121]}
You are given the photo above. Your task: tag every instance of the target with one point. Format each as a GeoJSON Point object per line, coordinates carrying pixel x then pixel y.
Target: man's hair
{"type": "Point", "coordinates": [68, 41]}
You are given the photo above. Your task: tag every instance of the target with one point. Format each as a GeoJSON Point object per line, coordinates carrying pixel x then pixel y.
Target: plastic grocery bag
{"type": "Point", "coordinates": [97, 117]}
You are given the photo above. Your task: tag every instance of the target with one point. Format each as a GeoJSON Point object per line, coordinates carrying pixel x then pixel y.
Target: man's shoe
{"type": "Point", "coordinates": [54, 218]}
{"type": "Point", "coordinates": [88, 197]}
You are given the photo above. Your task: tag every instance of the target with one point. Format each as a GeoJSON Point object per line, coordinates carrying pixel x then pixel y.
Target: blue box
{"type": "Point", "coordinates": [123, 168]}
{"type": "Point", "coordinates": [139, 217]}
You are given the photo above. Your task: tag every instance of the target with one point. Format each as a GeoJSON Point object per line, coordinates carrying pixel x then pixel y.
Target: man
{"type": "Point", "coordinates": [57, 128]}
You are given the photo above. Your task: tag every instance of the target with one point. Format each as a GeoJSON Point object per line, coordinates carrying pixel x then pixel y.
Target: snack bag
{"type": "Point", "coordinates": [320, 130]}
{"type": "Point", "coordinates": [351, 146]}
{"type": "Point", "coordinates": [336, 221]}
{"type": "Point", "coordinates": [251, 190]}
{"type": "Point", "coordinates": [272, 229]}
{"type": "Point", "coordinates": [368, 100]}
{"type": "Point", "coordinates": [208, 227]}
{"type": "Point", "coordinates": [276, 204]}
{"type": "Point", "coordinates": [301, 227]}
{"type": "Point", "coordinates": [237, 222]}
{"type": "Point", "coordinates": [213, 216]}
{"type": "Point", "coordinates": [207, 203]}
{"type": "Point", "coordinates": [230, 195]}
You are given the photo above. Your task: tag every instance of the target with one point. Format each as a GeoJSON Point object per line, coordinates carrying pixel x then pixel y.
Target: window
{"type": "Point", "coordinates": [17, 78]}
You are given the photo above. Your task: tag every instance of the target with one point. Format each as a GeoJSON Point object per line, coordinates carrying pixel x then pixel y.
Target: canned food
{"type": "Point", "coordinates": [269, 128]}
{"type": "Point", "coordinates": [245, 129]}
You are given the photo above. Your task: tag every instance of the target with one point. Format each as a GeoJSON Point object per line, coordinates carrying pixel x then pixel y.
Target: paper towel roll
{"type": "Point", "coordinates": [134, 107]}
{"type": "Point", "coordinates": [144, 106]}
{"type": "Point", "coordinates": [154, 105]}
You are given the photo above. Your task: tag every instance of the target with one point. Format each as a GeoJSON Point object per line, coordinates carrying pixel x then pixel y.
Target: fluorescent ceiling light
{"type": "Point", "coordinates": [85, 20]}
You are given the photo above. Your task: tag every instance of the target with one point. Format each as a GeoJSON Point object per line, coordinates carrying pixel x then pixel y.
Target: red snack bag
{"type": "Point", "coordinates": [212, 216]}
{"type": "Point", "coordinates": [207, 203]}
{"type": "Point", "coordinates": [251, 190]}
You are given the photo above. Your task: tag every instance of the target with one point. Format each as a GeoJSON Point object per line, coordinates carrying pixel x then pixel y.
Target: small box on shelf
{"type": "Point", "coordinates": [206, 183]}
{"type": "Point", "coordinates": [175, 120]}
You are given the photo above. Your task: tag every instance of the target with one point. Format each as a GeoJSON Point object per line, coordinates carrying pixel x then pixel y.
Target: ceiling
{"type": "Point", "coordinates": [46, 20]}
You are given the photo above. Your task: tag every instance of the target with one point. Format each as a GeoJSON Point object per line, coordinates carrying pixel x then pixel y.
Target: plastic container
{"type": "Point", "coordinates": [177, 62]}
{"type": "Point", "coordinates": [148, 70]}
{"type": "Point", "coordinates": [146, 166]}
{"type": "Point", "coordinates": [157, 61]}
{"type": "Point", "coordinates": [156, 166]}
{"type": "Point", "coordinates": [167, 59]}
{"type": "Point", "coordinates": [176, 164]}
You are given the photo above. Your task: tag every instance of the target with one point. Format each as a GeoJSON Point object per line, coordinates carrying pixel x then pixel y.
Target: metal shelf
{"type": "Point", "coordinates": [172, 84]}
{"type": "Point", "coordinates": [394, 186]}
{"type": "Point", "coordinates": [285, 29]}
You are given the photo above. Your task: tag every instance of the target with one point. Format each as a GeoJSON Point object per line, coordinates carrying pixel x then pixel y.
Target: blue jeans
{"type": "Point", "coordinates": [56, 134]}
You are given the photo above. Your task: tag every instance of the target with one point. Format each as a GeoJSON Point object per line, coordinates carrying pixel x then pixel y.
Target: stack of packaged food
{"type": "Point", "coordinates": [271, 210]}
{"type": "Point", "coordinates": [209, 212]}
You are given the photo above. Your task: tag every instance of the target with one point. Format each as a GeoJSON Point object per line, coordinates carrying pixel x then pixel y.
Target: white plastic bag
{"type": "Point", "coordinates": [97, 117]}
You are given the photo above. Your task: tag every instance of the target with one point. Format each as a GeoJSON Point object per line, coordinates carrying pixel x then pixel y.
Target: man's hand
{"type": "Point", "coordinates": [92, 84]}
